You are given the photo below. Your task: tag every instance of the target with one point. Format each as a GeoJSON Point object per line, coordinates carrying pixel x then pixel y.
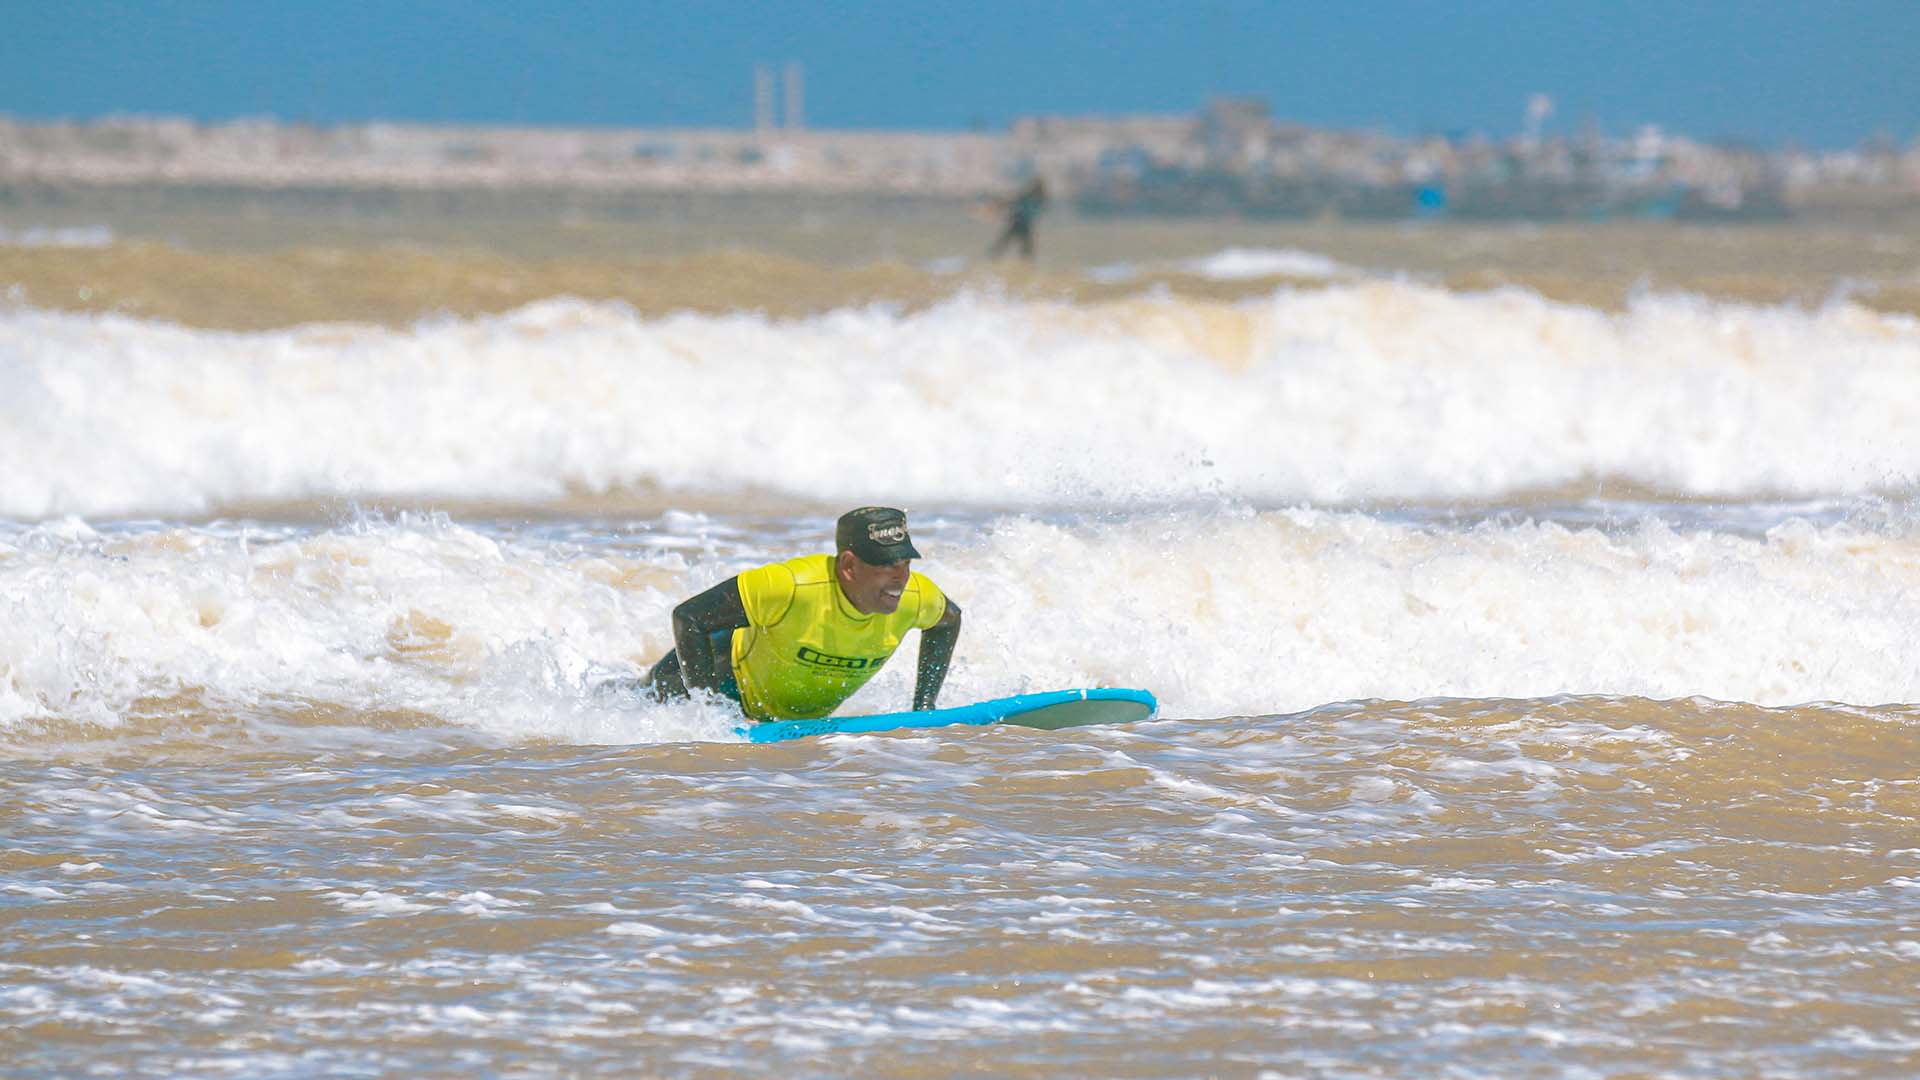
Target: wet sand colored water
{"type": "Point", "coordinates": [1532, 614]}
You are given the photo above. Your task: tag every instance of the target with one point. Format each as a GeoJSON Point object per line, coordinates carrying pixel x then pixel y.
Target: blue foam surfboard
{"type": "Point", "coordinates": [1056, 709]}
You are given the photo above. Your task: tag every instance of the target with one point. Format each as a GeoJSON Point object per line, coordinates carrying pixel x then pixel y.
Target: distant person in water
{"type": "Point", "coordinates": [1021, 209]}
{"type": "Point", "coordinates": [792, 640]}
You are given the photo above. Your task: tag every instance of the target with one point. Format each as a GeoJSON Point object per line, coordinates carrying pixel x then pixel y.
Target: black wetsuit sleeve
{"type": "Point", "coordinates": [936, 652]}
{"type": "Point", "coordinates": [695, 622]}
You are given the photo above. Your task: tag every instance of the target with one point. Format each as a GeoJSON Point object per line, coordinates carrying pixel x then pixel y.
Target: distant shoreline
{"type": "Point", "coordinates": [1228, 161]}
{"type": "Point", "coordinates": [1851, 208]}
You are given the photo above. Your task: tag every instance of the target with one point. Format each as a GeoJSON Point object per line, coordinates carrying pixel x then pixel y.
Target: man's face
{"type": "Point", "coordinates": [874, 590]}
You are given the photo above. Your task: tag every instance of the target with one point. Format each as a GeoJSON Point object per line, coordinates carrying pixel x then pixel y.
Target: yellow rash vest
{"type": "Point", "coordinates": [805, 648]}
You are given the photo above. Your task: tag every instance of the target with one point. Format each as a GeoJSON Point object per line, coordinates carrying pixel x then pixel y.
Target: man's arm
{"type": "Point", "coordinates": [936, 652]}
{"type": "Point", "coordinates": [695, 622]}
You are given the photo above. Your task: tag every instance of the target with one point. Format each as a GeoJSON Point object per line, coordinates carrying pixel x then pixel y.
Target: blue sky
{"type": "Point", "coordinates": [1819, 72]}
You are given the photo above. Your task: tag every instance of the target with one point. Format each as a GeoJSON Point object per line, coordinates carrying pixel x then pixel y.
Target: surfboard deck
{"type": "Point", "coordinates": [1047, 711]}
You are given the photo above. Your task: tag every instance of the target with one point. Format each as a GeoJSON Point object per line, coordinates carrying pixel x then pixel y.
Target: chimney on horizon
{"type": "Point", "coordinates": [796, 97]}
{"type": "Point", "coordinates": [762, 99]}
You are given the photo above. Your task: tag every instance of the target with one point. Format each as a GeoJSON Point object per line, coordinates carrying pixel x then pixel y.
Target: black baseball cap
{"type": "Point", "coordinates": [877, 534]}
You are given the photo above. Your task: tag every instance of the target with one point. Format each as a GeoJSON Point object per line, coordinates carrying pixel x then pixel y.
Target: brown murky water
{"type": "Point", "coordinates": [298, 799]}
{"type": "Point", "coordinates": [1536, 665]}
{"type": "Point", "coordinates": [1601, 885]}
{"type": "Point", "coordinates": [258, 261]}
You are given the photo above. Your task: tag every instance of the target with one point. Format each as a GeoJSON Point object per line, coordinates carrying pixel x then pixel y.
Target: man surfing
{"type": "Point", "coordinates": [792, 640]}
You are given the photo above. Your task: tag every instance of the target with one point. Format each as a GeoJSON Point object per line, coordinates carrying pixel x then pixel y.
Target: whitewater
{"type": "Point", "coordinates": [1537, 686]}
{"type": "Point", "coordinates": [1365, 393]}
{"type": "Point", "coordinates": [505, 631]}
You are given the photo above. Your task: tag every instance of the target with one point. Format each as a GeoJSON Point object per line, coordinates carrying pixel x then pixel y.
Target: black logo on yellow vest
{"type": "Point", "coordinates": [838, 663]}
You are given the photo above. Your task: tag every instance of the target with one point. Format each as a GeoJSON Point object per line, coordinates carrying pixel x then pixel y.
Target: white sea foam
{"type": "Point", "coordinates": [1234, 264]}
{"type": "Point", "coordinates": [1274, 612]}
{"type": "Point", "coordinates": [1283, 611]}
{"type": "Point", "coordinates": [56, 236]}
{"type": "Point", "coordinates": [1243, 264]}
{"type": "Point", "coordinates": [1358, 392]}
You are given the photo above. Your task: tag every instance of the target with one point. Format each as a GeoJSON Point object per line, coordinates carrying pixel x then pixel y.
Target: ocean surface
{"type": "Point", "coordinates": [1537, 659]}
